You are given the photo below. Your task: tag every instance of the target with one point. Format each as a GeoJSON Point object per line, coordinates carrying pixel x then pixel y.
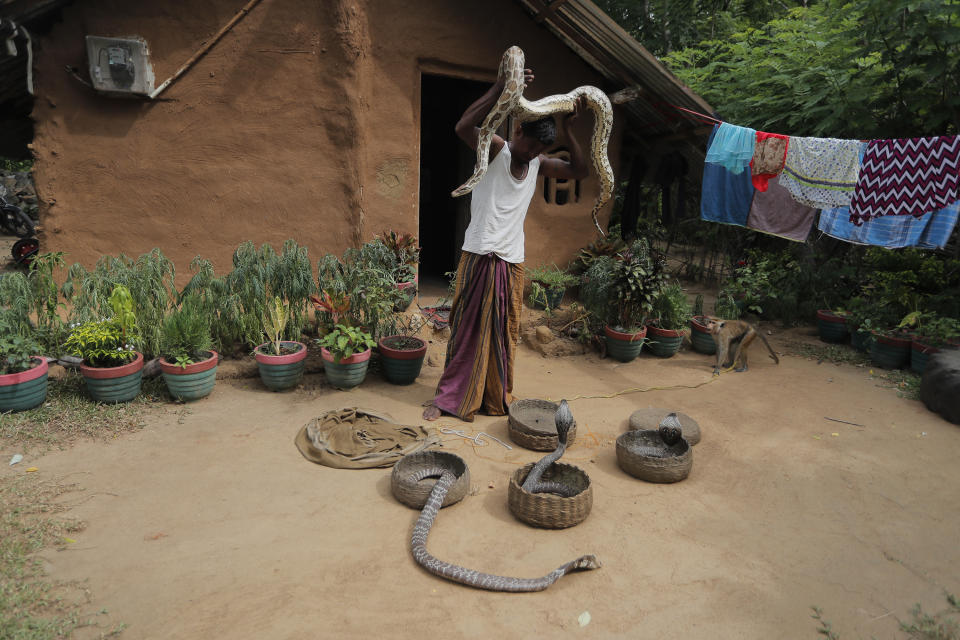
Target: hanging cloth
{"type": "Point", "coordinates": [725, 196]}
{"type": "Point", "coordinates": [732, 147]}
{"type": "Point", "coordinates": [909, 176]}
{"type": "Point", "coordinates": [822, 172]}
{"type": "Point", "coordinates": [777, 213]}
{"type": "Point", "coordinates": [769, 154]}
{"type": "Point", "coordinates": [931, 231]}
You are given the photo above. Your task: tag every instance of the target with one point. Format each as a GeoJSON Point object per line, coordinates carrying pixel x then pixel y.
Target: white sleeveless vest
{"type": "Point", "coordinates": [498, 208]}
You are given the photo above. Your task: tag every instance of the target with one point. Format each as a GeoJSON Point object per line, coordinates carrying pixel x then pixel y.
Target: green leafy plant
{"type": "Point", "coordinates": [638, 277]}
{"type": "Point", "coordinates": [275, 321]}
{"type": "Point", "coordinates": [406, 254]}
{"type": "Point", "coordinates": [186, 335]}
{"type": "Point", "coordinates": [725, 307]}
{"type": "Point", "coordinates": [100, 343]}
{"type": "Point", "coordinates": [342, 342]}
{"type": "Point", "coordinates": [547, 281]}
{"type": "Point", "coordinates": [16, 351]}
{"type": "Point", "coordinates": [34, 300]}
{"type": "Point", "coordinates": [671, 309]}
{"type": "Point", "coordinates": [698, 305]}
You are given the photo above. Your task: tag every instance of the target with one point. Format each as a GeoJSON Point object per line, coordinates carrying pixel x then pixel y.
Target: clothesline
{"type": "Point", "coordinates": [890, 193]}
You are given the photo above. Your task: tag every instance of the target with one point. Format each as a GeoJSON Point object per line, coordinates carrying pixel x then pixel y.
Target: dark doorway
{"type": "Point", "coordinates": [445, 163]}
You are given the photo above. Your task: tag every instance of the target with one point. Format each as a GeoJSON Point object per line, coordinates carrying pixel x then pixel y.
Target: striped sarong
{"type": "Point", "coordinates": [484, 331]}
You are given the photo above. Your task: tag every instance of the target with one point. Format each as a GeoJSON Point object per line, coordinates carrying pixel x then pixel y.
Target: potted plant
{"type": "Point", "coordinates": [188, 363]}
{"type": "Point", "coordinates": [402, 353]}
{"type": "Point", "coordinates": [861, 320]}
{"type": "Point", "coordinates": [832, 325]}
{"type": "Point", "coordinates": [620, 290]}
{"type": "Point", "coordinates": [548, 284]}
{"type": "Point", "coordinates": [279, 361]}
{"type": "Point", "coordinates": [890, 348]}
{"type": "Point", "coordinates": [931, 334]}
{"type": "Point", "coordinates": [406, 256]}
{"type": "Point", "coordinates": [112, 367]}
{"type": "Point", "coordinates": [667, 327]}
{"type": "Point", "coordinates": [346, 355]}
{"type": "Point", "coordinates": [23, 375]}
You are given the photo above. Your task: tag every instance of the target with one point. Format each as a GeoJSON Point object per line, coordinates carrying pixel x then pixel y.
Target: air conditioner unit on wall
{"type": "Point", "coordinates": [120, 66]}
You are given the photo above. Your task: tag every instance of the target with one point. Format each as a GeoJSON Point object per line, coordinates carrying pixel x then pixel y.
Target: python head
{"type": "Point", "coordinates": [563, 419]}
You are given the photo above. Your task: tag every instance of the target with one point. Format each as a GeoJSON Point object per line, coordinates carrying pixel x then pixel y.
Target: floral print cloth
{"type": "Point", "coordinates": [822, 172]}
{"type": "Point", "coordinates": [769, 154]}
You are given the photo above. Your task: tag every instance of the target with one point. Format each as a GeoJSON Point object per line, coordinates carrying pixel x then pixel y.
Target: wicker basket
{"type": "Point", "coordinates": [672, 468]}
{"type": "Point", "coordinates": [415, 494]}
{"type": "Point", "coordinates": [532, 425]}
{"type": "Point", "coordinates": [651, 418]}
{"type": "Point", "coordinates": [548, 510]}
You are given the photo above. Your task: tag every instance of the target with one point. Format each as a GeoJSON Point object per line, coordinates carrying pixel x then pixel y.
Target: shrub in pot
{"type": "Point", "coordinates": [832, 326]}
{"type": "Point", "coordinates": [279, 361]}
{"type": "Point", "coordinates": [548, 284]}
{"type": "Point", "coordinates": [346, 355]}
{"type": "Point", "coordinates": [931, 334]}
{"type": "Point", "coordinates": [188, 363]}
{"type": "Point", "coordinates": [402, 353]}
{"type": "Point", "coordinates": [112, 367]}
{"type": "Point", "coordinates": [23, 375]}
{"type": "Point", "coordinates": [890, 348]}
{"type": "Point", "coordinates": [668, 323]}
{"type": "Point", "coordinates": [406, 256]}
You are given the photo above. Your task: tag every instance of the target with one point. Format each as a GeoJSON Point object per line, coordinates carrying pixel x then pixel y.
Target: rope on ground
{"type": "Point", "coordinates": [644, 389]}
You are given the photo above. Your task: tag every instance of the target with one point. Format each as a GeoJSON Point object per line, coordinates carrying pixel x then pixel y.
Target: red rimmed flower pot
{"type": "Point", "coordinates": [402, 358]}
{"type": "Point", "coordinates": [192, 382]}
{"type": "Point", "coordinates": [284, 371]}
{"type": "Point", "coordinates": [700, 336]}
{"type": "Point", "coordinates": [890, 352]}
{"type": "Point", "coordinates": [831, 326]}
{"type": "Point", "coordinates": [114, 384]}
{"type": "Point", "coordinates": [921, 350]}
{"type": "Point", "coordinates": [349, 372]}
{"type": "Point", "coordinates": [664, 343]}
{"type": "Point", "coordinates": [624, 346]}
{"type": "Point", "coordinates": [24, 389]}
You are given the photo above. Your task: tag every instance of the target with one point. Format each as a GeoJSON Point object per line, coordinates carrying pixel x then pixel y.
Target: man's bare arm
{"type": "Point", "coordinates": [576, 168]}
{"type": "Point", "coordinates": [468, 127]}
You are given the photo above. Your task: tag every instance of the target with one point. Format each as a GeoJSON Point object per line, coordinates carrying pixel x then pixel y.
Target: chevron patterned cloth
{"type": "Point", "coordinates": [909, 176]}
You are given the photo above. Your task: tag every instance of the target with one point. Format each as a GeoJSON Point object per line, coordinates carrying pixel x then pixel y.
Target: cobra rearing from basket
{"type": "Point", "coordinates": [534, 482]}
{"type": "Point", "coordinates": [512, 102]}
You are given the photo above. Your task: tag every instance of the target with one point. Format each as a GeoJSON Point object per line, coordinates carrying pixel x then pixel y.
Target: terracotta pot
{"type": "Point", "coordinates": [349, 372]}
{"type": "Point", "coordinates": [192, 382]}
{"type": "Point", "coordinates": [24, 389]}
{"type": "Point", "coordinates": [401, 366]}
{"type": "Point", "coordinates": [281, 372]}
{"type": "Point", "coordinates": [624, 346]}
{"type": "Point", "coordinates": [114, 384]}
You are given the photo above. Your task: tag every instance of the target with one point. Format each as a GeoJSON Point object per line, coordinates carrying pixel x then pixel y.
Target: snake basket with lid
{"type": "Point", "coordinates": [531, 425]}
{"type": "Point", "coordinates": [548, 510]}
{"type": "Point", "coordinates": [414, 476]}
{"type": "Point", "coordinates": [645, 455]}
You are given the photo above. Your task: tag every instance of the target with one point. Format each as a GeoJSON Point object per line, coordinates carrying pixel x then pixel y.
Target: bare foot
{"type": "Point", "coordinates": [431, 413]}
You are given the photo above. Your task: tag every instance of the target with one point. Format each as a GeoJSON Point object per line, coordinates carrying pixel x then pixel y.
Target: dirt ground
{"type": "Point", "coordinates": [208, 523]}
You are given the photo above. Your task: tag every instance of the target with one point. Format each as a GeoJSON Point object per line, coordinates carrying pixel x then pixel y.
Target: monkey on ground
{"type": "Point", "coordinates": [730, 334]}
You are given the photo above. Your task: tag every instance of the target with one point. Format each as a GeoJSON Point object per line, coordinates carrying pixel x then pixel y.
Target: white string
{"type": "Point", "coordinates": [477, 439]}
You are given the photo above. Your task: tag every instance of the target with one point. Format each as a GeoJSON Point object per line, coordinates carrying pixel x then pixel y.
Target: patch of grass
{"type": "Point", "coordinates": [31, 607]}
{"type": "Point", "coordinates": [68, 414]}
{"type": "Point", "coordinates": [835, 353]}
{"type": "Point", "coordinates": [907, 383]}
{"type": "Point", "coordinates": [943, 625]}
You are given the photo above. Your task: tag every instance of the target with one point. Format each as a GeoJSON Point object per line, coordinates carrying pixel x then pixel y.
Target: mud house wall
{"type": "Point", "coordinates": [302, 122]}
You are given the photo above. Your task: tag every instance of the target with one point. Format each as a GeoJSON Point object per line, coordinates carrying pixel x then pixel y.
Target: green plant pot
{"type": "Point", "coordinates": [832, 328]}
{"type": "Point", "coordinates": [664, 343]}
{"type": "Point", "coordinates": [700, 336]}
{"type": "Point", "coordinates": [24, 389]}
{"type": "Point", "coordinates": [861, 340]}
{"type": "Point", "coordinates": [349, 372]}
{"type": "Point", "coordinates": [114, 384]}
{"type": "Point", "coordinates": [281, 372]}
{"type": "Point", "coordinates": [624, 346]}
{"type": "Point", "coordinates": [192, 382]}
{"type": "Point", "coordinates": [888, 352]}
{"type": "Point", "coordinates": [409, 291]}
{"type": "Point", "coordinates": [554, 298]}
{"type": "Point", "coordinates": [920, 352]}
{"type": "Point", "coordinates": [401, 366]}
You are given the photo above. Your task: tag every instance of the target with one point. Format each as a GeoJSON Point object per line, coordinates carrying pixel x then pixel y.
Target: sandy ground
{"type": "Point", "coordinates": [208, 523]}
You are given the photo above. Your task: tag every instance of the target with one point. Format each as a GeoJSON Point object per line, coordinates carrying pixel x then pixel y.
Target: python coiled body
{"type": "Point", "coordinates": [512, 102]}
